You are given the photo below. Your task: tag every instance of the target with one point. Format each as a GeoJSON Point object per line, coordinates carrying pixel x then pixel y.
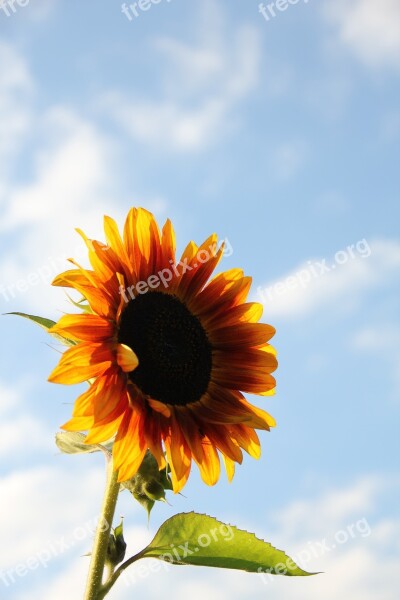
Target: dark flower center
{"type": "Point", "coordinates": [172, 347]}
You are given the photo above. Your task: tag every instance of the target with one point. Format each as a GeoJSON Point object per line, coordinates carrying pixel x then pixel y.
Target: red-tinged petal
{"type": "Point", "coordinates": [122, 296]}
{"type": "Point", "coordinates": [196, 281]}
{"type": "Point", "coordinates": [143, 242]}
{"type": "Point", "coordinates": [104, 261]}
{"type": "Point", "coordinates": [130, 443]}
{"type": "Point", "coordinates": [110, 394]}
{"type": "Point", "coordinates": [87, 353]}
{"type": "Point", "coordinates": [130, 241]}
{"type": "Point", "coordinates": [246, 361]}
{"type": "Point", "coordinates": [249, 312]}
{"type": "Point", "coordinates": [204, 454]}
{"type": "Point", "coordinates": [240, 336]}
{"type": "Point", "coordinates": [211, 308]}
{"type": "Point", "coordinates": [263, 420]}
{"type": "Point", "coordinates": [247, 439]}
{"type": "Point", "coordinates": [168, 245]}
{"type": "Point", "coordinates": [160, 407]}
{"type": "Point", "coordinates": [82, 362]}
{"type": "Point", "coordinates": [153, 436]}
{"type": "Point", "coordinates": [178, 454]}
{"type": "Point", "coordinates": [219, 438]}
{"type": "Point", "coordinates": [187, 256]}
{"type": "Point", "coordinates": [254, 383]}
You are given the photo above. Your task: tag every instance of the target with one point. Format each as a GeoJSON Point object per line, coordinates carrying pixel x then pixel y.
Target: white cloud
{"type": "Point", "coordinates": [340, 534]}
{"type": "Point", "coordinates": [18, 423]}
{"type": "Point", "coordinates": [9, 398]}
{"type": "Point", "coordinates": [38, 11]}
{"type": "Point", "coordinates": [362, 566]}
{"type": "Point", "coordinates": [40, 505]}
{"type": "Point", "coordinates": [14, 433]}
{"type": "Point", "coordinates": [202, 85]}
{"type": "Point", "coordinates": [69, 188]}
{"type": "Point", "coordinates": [61, 185]}
{"type": "Point", "coordinates": [332, 510]}
{"type": "Point", "coordinates": [72, 186]}
{"type": "Point", "coordinates": [307, 289]}
{"type": "Point", "coordinates": [369, 29]}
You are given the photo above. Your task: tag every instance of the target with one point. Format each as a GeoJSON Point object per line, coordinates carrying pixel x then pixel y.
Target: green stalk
{"type": "Point", "coordinates": [99, 552]}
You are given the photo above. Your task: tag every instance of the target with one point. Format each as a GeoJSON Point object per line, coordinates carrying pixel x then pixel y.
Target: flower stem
{"type": "Point", "coordinates": [99, 552]}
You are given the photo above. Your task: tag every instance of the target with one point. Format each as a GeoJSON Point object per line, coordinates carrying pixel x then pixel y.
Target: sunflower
{"type": "Point", "coordinates": [168, 352]}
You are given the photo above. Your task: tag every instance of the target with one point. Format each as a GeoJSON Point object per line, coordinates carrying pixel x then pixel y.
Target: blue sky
{"type": "Point", "coordinates": [281, 135]}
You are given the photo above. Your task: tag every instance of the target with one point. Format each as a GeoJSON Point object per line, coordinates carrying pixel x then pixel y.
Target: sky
{"type": "Point", "coordinates": [277, 128]}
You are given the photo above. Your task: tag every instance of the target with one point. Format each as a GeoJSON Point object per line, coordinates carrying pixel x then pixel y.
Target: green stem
{"type": "Point", "coordinates": [99, 552]}
{"type": "Point", "coordinates": [110, 582]}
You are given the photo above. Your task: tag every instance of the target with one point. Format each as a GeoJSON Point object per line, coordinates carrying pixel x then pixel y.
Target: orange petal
{"type": "Point", "coordinates": [110, 395]}
{"type": "Point", "coordinates": [87, 327]}
{"type": "Point", "coordinates": [229, 467]}
{"type": "Point", "coordinates": [104, 432]}
{"type": "Point", "coordinates": [247, 439]}
{"type": "Point", "coordinates": [70, 374]}
{"type": "Point", "coordinates": [168, 245]}
{"type": "Point", "coordinates": [84, 406]}
{"type": "Point", "coordinates": [204, 453]}
{"type": "Point", "coordinates": [209, 467]}
{"type": "Point", "coordinates": [115, 242]}
{"type": "Point", "coordinates": [82, 362]}
{"type": "Point", "coordinates": [241, 335]}
{"type": "Point", "coordinates": [249, 312]}
{"type": "Point", "coordinates": [130, 445]}
{"type": "Point", "coordinates": [94, 294]}
{"type": "Point", "coordinates": [219, 438]}
{"type": "Point", "coordinates": [178, 454]}
{"type": "Point", "coordinates": [78, 424]}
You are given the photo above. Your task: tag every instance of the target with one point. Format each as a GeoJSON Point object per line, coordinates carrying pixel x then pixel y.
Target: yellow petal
{"type": "Point", "coordinates": [126, 358]}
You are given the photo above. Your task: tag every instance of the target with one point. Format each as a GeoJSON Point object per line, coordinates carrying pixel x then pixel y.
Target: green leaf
{"type": "Point", "coordinates": [72, 442]}
{"type": "Point", "coordinates": [46, 324]}
{"type": "Point", "coordinates": [194, 539]}
{"type": "Point", "coordinates": [81, 304]}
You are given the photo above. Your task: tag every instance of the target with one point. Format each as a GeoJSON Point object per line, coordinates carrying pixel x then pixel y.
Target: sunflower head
{"type": "Point", "coordinates": [169, 351]}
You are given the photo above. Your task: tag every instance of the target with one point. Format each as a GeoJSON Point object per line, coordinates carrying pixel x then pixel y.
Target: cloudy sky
{"type": "Point", "coordinates": [279, 130]}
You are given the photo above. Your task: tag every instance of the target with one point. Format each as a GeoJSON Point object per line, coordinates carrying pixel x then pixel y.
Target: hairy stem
{"type": "Point", "coordinates": [99, 552]}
